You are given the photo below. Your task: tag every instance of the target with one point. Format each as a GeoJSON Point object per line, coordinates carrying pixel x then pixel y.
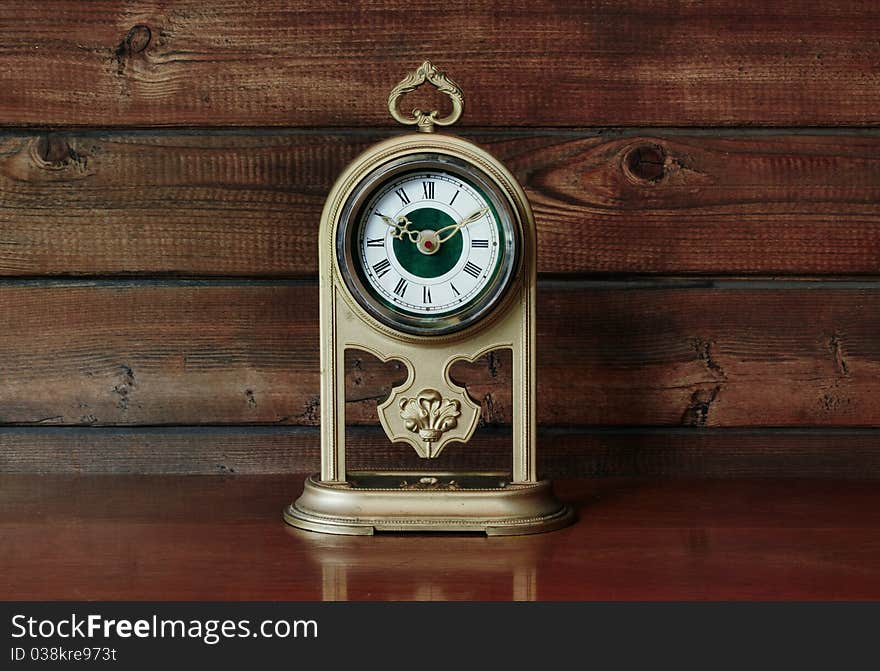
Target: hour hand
{"type": "Point", "coordinates": [390, 222]}
{"type": "Point", "coordinates": [401, 227]}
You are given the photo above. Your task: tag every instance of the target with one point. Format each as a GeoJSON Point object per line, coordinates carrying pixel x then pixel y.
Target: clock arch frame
{"type": "Point", "coordinates": [345, 324]}
{"type": "Point", "coordinates": [399, 148]}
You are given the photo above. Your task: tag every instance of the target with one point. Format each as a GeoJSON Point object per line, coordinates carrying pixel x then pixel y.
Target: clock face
{"type": "Point", "coordinates": [430, 247]}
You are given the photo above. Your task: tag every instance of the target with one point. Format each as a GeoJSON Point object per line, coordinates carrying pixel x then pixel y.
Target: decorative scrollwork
{"type": "Point", "coordinates": [430, 483]}
{"type": "Point", "coordinates": [429, 414]}
{"type": "Point", "coordinates": [425, 121]}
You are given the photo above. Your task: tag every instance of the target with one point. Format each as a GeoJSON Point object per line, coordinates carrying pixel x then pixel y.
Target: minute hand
{"type": "Point", "coordinates": [452, 229]}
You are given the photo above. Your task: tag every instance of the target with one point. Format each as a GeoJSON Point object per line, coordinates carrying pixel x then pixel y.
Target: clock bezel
{"type": "Point", "coordinates": [377, 170]}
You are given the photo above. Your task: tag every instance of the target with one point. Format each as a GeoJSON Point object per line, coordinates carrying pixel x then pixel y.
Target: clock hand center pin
{"type": "Point", "coordinates": [429, 241]}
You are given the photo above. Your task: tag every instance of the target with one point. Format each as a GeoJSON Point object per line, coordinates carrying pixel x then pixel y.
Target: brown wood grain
{"type": "Point", "coordinates": [578, 452]}
{"type": "Point", "coordinates": [610, 62]}
{"type": "Point", "coordinates": [610, 353]}
{"type": "Point", "coordinates": [220, 203]}
{"type": "Point", "coordinates": [157, 538]}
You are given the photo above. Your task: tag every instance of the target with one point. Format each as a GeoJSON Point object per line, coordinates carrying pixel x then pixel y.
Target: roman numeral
{"type": "Point", "coordinates": [376, 242]}
{"type": "Point", "coordinates": [426, 295]}
{"type": "Point", "coordinates": [400, 289]}
{"type": "Point", "coordinates": [402, 195]}
{"type": "Point", "coordinates": [456, 291]}
{"type": "Point", "coordinates": [472, 269]}
{"type": "Point", "coordinates": [454, 197]}
{"type": "Point", "coordinates": [381, 267]}
{"type": "Point", "coordinates": [484, 244]}
{"type": "Point", "coordinates": [428, 188]}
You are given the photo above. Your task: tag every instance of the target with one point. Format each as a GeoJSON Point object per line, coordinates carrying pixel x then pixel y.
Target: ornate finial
{"type": "Point", "coordinates": [429, 414]}
{"type": "Point", "coordinates": [425, 121]}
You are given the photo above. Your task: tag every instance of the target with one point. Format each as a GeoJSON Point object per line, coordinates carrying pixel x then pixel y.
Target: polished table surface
{"type": "Point", "coordinates": [113, 537]}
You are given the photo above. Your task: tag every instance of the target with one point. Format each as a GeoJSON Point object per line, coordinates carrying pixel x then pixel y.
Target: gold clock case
{"type": "Point", "coordinates": [428, 411]}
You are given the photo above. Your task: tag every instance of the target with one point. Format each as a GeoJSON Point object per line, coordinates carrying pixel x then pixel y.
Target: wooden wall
{"type": "Point", "coordinates": [705, 178]}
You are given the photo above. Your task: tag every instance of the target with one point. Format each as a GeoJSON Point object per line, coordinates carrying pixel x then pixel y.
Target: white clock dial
{"type": "Point", "coordinates": [429, 243]}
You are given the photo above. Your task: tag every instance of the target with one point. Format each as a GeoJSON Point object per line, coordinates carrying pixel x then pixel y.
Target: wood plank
{"type": "Point", "coordinates": [603, 63]}
{"type": "Point", "coordinates": [578, 452]}
{"type": "Point", "coordinates": [156, 538]}
{"type": "Point", "coordinates": [739, 354]}
{"type": "Point", "coordinates": [230, 204]}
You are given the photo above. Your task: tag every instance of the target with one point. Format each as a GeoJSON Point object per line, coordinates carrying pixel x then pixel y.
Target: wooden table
{"type": "Point", "coordinates": [221, 538]}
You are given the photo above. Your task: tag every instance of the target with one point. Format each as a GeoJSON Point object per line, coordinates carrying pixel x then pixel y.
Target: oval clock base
{"type": "Point", "coordinates": [407, 501]}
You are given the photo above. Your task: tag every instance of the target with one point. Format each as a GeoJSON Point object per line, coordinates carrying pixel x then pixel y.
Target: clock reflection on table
{"type": "Point", "coordinates": [437, 567]}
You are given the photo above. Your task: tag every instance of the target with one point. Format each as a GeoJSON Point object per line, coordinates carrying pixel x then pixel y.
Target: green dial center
{"type": "Point", "coordinates": [429, 265]}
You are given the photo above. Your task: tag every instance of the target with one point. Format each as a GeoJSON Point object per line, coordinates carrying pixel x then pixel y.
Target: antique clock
{"type": "Point", "coordinates": [427, 256]}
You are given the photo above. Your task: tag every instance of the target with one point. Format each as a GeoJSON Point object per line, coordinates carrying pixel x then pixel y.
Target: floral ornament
{"type": "Point", "coordinates": [429, 414]}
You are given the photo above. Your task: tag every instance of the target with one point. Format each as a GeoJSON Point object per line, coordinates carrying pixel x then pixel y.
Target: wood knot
{"type": "Point", "coordinates": [133, 44]}
{"type": "Point", "coordinates": [54, 152]}
{"type": "Point", "coordinates": [137, 39]}
{"type": "Point", "coordinates": [53, 149]}
{"type": "Point", "coordinates": [645, 163]}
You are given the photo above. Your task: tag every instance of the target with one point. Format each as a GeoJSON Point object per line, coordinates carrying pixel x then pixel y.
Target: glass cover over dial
{"type": "Point", "coordinates": [430, 248]}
